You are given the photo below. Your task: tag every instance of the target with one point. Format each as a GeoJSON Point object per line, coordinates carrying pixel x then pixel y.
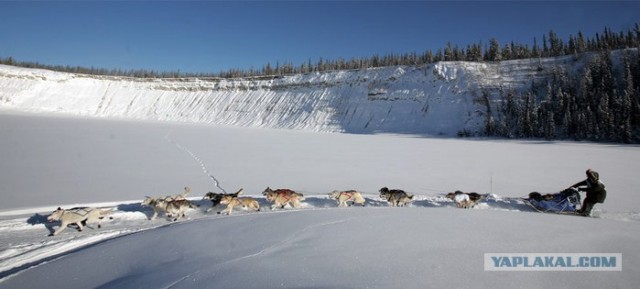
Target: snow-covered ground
{"type": "Point", "coordinates": [55, 161]}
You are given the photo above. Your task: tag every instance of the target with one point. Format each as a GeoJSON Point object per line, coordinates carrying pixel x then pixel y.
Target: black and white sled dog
{"type": "Point", "coordinates": [80, 216]}
{"type": "Point", "coordinates": [464, 200]}
{"type": "Point", "coordinates": [173, 206]}
{"type": "Point", "coordinates": [173, 209]}
{"type": "Point", "coordinates": [396, 198]}
{"type": "Point", "coordinates": [216, 198]}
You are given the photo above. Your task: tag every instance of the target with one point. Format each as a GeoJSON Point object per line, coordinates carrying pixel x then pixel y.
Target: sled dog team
{"type": "Point", "coordinates": [175, 206]}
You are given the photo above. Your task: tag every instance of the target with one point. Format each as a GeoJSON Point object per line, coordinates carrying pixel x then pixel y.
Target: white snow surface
{"type": "Point", "coordinates": [58, 161]}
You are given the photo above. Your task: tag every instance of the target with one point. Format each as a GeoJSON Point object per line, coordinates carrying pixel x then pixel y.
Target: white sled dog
{"type": "Point", "coordinates": [78, 216]}
{"type": "Point", "coordinates": [464, 200]}
{"type": "Point", "coordinates": [231, 202]}
{"type": "Point", "coordinates": [347, 196]}
{"type": "Point", "coordinates": [170, 205]}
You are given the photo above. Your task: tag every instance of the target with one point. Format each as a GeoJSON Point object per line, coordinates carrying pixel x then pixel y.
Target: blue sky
{"type": "Point", "coordinates": [209, 36]}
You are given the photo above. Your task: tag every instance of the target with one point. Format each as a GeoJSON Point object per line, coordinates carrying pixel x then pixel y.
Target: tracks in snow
{"type": "Point", "coordinates": [196, 158]}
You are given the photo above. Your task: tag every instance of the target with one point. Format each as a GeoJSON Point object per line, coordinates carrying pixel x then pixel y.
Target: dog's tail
{"type": "Point", "coordinates": [102, 213]}
{"type": "Point", "coordinates": [106, 212]}
{"type": "Point", "coordinates": [476, 197]}
{"type": "Point", "coordinates": [186, 191]}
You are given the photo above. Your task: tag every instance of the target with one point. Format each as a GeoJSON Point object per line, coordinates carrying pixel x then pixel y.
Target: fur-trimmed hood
{"type": "Point", "coordinates": [593, 175]}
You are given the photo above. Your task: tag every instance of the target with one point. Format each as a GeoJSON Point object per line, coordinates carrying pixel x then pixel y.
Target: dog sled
{"type": "Point", "coordinates": [566, 202]}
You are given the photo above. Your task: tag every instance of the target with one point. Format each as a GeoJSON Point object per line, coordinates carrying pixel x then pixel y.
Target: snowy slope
{"type": "Point", "coordinates": [437, 99]}
{"type": "Point", "coordinates": [53, 161]}
{"type": "Point", "coordinates": [342, 248]}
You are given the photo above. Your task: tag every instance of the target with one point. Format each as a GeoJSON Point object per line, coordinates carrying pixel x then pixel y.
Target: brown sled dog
{"type": "Point", "coordinates": [231, 202]}
{"type": "Point", "coordinates": [281, 197]}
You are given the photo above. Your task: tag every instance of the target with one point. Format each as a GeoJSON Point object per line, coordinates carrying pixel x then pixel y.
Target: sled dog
{"type": "Point", "coordinates": [173, 209]}
{"type": "Point", "coordinates": [157, 203]}
{"type": "Point", "coordinates": [231, 202]}
{"type": "Point", "coordinates": [215, 198]}
{"type": "Point", "coordinates": [281, 197]}
{"type": "Point", "coordinates": [78, 216]}
{"type": "Point", "coordinates": [464, 200]}
{"type": "Point", "coordinates": [347, 196]}
{"type": "Point", "coordinates": [396, 198]}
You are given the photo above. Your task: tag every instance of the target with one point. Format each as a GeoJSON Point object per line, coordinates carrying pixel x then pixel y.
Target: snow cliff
{"type": "Point", "coordinates": [437, 99]}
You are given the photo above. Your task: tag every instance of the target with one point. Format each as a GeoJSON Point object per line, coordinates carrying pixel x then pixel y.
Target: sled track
{"type": "Point", "coordinates": [199, 160]}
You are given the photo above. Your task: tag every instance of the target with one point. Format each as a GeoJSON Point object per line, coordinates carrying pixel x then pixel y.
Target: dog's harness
{"type": "Point", "coordinates": [285, 193]}
{"type": "Point", "coordinates": [166, 200]}
{"type": "Point", "coordinates": [82, 212]}
{"type": "Point", "coordinates": [173, 198]}
{"type": "Point", "coordinates": [348, 194]}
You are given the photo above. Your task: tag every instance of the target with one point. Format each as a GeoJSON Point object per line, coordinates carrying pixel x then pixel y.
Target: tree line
{"type": "Point", "coordinates": [551, 45]}
{"type": "Point", "coordinates": [600, 102]}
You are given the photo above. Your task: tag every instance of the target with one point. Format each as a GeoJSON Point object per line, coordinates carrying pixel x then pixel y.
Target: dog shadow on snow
{"type": "Point", "coordinates": [487, 201]}
{"type": "Point", "coordinates": [491, 202]}
{"type": "Point", "coordinates": [511, 204]}
{"type": "Point", "coordinates": [38, 219]}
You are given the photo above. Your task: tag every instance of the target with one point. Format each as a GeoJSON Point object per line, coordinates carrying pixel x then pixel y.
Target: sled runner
{"type": "Point", "coordinates": [565, 202]}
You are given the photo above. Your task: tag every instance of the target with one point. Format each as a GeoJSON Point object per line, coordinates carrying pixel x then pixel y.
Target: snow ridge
{"type": "Point", "coordinates": [436, 99]}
